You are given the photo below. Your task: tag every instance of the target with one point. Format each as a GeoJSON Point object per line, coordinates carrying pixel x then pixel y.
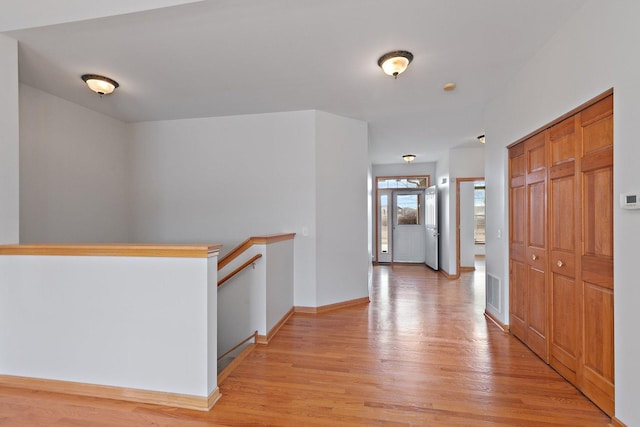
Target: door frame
{"type": "Point", "coordinates": [458, 181]}
{"type": "Point", "coordinates": [377, 208]}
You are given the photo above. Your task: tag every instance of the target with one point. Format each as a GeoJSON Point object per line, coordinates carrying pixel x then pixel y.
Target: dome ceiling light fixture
{"type": "Point", "coordinates": [395, 63]}
{"type": "Point", "coordinates": [409, 158]}
{"type": "Point", "coordinates": [100, 84]}
{"type": "Point", "coordinates": [481, 139]}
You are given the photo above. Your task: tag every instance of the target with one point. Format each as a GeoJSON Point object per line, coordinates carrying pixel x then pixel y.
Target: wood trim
{"type": "Point", "coordinates": [213, 398]}
{"type": "Point", "coordinates": [239, 269]}
{"type": "Point", "coordinates": [253, 337]}
{"type": "Point", "coordinates": [494, 320]}
{"type": "Point", "coordinates": [617, 423]}
{"type": "Point", "coordinates": [272, 238]}
{"type": "Point", "coordinates": [447, 275]}
{"type": "Point", "coordinates": [235, 362]}
{"type": "Point", "coordinates": [111, 392]}
{"type": "Point", "coordinates": [262, 339]}
{"type": "Point", "coordinates": [256, 240]}
{"type": "Point", "coordinates": [235, 253]}
{"type": "Point", "coordinates": [573, 112]}
{"type": "Point", "coordinates": [115, 249]}
{"type": "Point", "coordinates": [467, 269]}
{"type": "Point", "coordinates": [331, 307]}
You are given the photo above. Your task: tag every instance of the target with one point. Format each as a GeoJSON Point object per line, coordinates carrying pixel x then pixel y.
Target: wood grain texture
{"type": "Point", "coordinates": [566, 292]}
{"type": "Point", "coordinates": [421, 353]}
{"type": "Point", "coordinates": [108, 392]}
{"type": "Point", "coordinates": [115, 249]}
{"type": "Point", "coordinates": [239, 269]}
{"type": "Point", "coordinates": [262, 339]}
{"type": "Point", "coordinates": [235, 362]}
{"type": "Point", "coordinates": [256, 240]}
{"type": "Point", "coordinates": [331, 307]}
{"type": "Point", "coordinates": [617, 423]}
{"type": "Point", "coordinates": [498, 323]}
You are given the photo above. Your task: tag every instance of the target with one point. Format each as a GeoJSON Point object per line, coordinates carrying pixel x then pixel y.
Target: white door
{"type": "Point", "coordinates": [431, 226]}
{"type": "Point", "coordinates": [408, 226]}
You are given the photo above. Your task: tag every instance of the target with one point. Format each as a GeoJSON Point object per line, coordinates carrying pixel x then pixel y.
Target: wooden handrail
{"type": "Point", "coordinates": [258, 240]}
{"type": "Point", "coordinates": [113, 249]}
{"type": "Point", "coordinates": [255, 339]}
{"type": "Point", "coordinates": [239, 269]}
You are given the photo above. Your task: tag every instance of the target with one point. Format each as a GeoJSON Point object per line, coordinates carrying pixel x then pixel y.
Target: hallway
{"type": "Point", "coordinates": [421, 353]}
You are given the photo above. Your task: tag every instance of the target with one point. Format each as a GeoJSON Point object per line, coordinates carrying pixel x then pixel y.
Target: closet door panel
{"type": "Point", "coordinates": [536, 245]}
{"type": "Point", "coordinates": [536, 231]}
{"type": "Point", "coordinates": [597, 380]}
{"type": "Point", "coordinates": [518, 299]}
{"type": "Point", "coordinates": [598, 213]}
{"type": "Point", "coordinates": [596, 375]}
{"type": "Point", "coordinates": [518, 292]}
{"type": "Point", "coordinates": [537, 311]}
{"type": "Point", "coordinates": [564, 217]}
{"type": "Point", "coordinates": [561, 248]}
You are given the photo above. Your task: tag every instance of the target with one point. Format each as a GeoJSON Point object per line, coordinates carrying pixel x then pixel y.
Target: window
{"type": "Point", "coordinates": [384, 219]}
{"type": "Point", "coordinates": [405, 182]}
{"type": "Point", "coordinates": [479, 216]}
{"type": "Point", "coordinates": [408, 209]}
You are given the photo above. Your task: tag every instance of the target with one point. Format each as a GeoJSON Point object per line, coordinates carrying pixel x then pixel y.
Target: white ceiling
{"type": "Point", "coordinates": [227, 57]}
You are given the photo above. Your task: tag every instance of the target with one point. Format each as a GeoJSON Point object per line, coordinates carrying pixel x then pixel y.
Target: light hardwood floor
{"type": "Point", "coordinates": [421, 353]}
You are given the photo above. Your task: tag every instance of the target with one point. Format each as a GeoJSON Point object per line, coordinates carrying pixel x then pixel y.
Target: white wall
{"type": "Point", "coordinates": [404, 169]}
{"type": "Point", "coordinates": [87, 177]}
{"type": "Point", "coordinates": [443, 182]}
{"type": "Point", "coordinates": [224, 179]}
{"type": "Point", "coordinates": [9, 142]}
{"type": "Point", "coordinates": [279, 281]}
{"type": "Point", "coordinates": [133, 322]}
{"type": "Point", "coordinates": [73, 172]}
{"type": "Point", "coordinates": [341, 162]}
{"type": "Point", "coordinates": [590, 54]}
{"type": "Point", "coordinates": [242, 300]}
{"type": "Point", "coordinates": [458, 163]}
{"type": "Point", "coordinates": [626, 223]}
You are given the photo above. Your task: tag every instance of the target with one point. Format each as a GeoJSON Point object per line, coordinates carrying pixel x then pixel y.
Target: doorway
{"type": "Point", "coordinates": [470, 222]}
{"type": "Point", "coordinates": [400, 216]}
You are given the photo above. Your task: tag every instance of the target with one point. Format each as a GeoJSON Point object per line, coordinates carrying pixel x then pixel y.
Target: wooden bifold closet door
{"type": "Point", "coordinates": [561, 247]}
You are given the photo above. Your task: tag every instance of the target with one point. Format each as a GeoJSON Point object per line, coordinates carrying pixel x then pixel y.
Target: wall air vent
{"type": "Point", "coordinates": [494, 294]}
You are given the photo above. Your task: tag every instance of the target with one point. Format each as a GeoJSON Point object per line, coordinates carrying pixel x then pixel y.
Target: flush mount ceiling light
{"type": "Point", "coordinates": [409, 158]}
{"type": "Point", "coordinates": [481, 138]}
{"type": "Point", "coordinates": [449, 86]}
{"type": "Point", "coordinates": [396, 62]}
{"type": "Point", "coordinates": [100, 84]}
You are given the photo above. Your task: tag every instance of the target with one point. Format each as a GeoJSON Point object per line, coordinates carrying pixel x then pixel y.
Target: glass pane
{"type": "Point", "coordinates": [408, 209]}
{"type": "Point", "coordinates": [413, 182]}
{"type": "Point", "coordinates": [480, 229]}
{"type": "Point", "coordinates": [479, 212]}
{"type": "Point", "coordinates": [384, 224]}
{"type": "Point", "coordinates": [430, 211]}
